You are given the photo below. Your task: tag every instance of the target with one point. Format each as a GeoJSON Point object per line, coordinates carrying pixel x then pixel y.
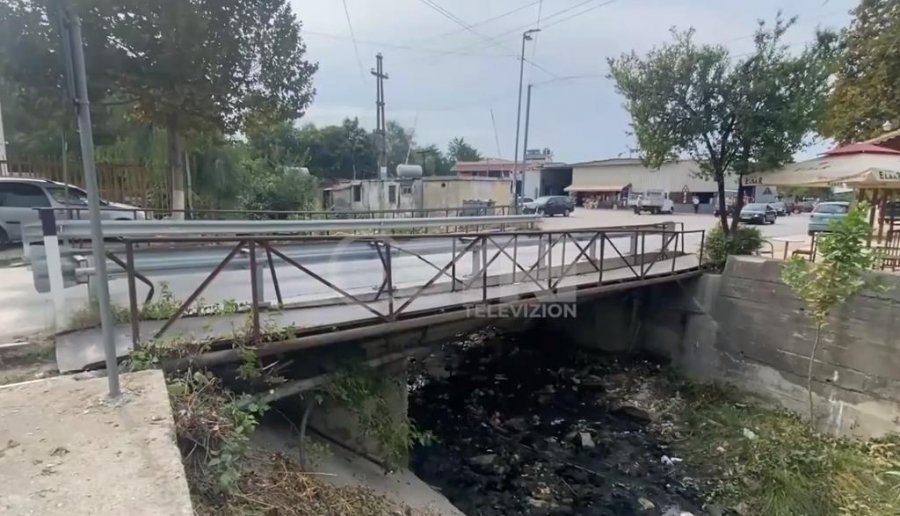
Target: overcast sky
{"type": "Point", "coordinates": [445, 80]}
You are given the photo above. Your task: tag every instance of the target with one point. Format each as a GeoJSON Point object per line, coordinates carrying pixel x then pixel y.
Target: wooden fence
{"type": "Point", "coordinates": [126, 183]}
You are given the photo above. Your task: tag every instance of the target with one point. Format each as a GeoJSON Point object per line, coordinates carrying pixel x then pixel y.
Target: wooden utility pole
{"type": "Point", "coordinates": [380, 125]}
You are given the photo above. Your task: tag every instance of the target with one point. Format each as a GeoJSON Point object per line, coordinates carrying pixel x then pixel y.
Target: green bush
{"type": "Point", "coordinates": [719, 246]}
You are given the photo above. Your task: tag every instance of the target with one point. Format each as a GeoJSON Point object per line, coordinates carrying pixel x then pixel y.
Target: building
{"type": "Point", "coordinates": [416, 193]}
{"type": "Point", "coordinates": [610, 181]}
{"type": "Point", "coordinates": [490, 167]}
{"type": "Point", "coordinates": [540, 175]}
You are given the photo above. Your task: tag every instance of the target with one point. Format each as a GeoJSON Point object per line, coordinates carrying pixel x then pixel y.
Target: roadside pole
{"type": "Point", "coordinates": [77, 82]}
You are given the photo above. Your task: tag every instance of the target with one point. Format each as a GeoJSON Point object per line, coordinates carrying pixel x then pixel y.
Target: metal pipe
{"type": "Point", "coordinates": [85, 130]}
{"type": "Point", "coordinates": [132, 296]}
{"type": "Point", "coordinates": [254, 292]}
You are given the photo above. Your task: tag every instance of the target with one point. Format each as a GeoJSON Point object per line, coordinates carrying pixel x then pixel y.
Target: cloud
{"type": "Point", "coordinates": [449, 95]}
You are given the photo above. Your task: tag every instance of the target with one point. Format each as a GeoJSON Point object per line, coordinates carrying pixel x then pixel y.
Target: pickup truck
{"type": "Point", "coordinates": [652, 201]}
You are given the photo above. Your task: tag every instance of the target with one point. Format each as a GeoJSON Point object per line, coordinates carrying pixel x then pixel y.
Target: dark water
{"type": "Point", "coordinates": [524, 427]}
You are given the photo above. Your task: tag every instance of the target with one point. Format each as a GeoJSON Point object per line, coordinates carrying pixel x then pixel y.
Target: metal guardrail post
{"type": "Point", "coordinates": [484, 272]}
{"type": "Point", "coordinates": [632, 250]}
{"type": "Point", "coordinates": [132, 297]}
{"type": "Point", "coordinates": [476, 259]}
{"type": "Point", "coordinates": [54, 267]}
{"type": "Point", "coordinates": [254, 290]}
{"type": "Point", "coordinates": [390, 277]}
{"type": "Point", "coordinates": [453, 266]}
{"type": "Point", "coordinates": [542, 248]}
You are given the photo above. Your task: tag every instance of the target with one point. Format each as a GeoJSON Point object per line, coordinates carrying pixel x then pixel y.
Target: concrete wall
{"type": "Point", "coordinates": [450, 192]}
{"type": "Point", "coordinates": [747, 328]}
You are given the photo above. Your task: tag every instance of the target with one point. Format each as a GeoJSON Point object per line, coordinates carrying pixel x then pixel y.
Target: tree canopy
{"type": "Point", "coordinates": [460, 150]}
{"type": "Point", "coordinates": [185, 66]}
{"type": "Point", "coordinates": [732, 115]}
{"type": "Point", "coordinates": [867, 86]}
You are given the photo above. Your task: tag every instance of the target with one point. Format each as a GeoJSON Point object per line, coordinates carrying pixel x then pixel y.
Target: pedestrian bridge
{"type": "Point", "coordinates": [401, 284]}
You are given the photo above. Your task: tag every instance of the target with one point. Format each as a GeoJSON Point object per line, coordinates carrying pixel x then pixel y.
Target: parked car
{"type": "Point", "coordinates": [804, 206]}
{"type": "Point", "coordinates": [19, 198]}
{"type": "Point", "coordinates": [758, 213]}
{"type": "Point", "coordinates": [780, 208]}
{"type": "Point", "coordinates": [550, 205]}
{"type": "Point", "coordinates": [824, 213]}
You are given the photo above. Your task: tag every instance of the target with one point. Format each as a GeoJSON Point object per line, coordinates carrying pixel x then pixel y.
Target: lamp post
{"type": "Point", "coordinates": [526, 36]}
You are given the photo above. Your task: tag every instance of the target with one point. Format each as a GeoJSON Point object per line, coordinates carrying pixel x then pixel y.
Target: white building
{"type": "Point", "coordinates": [611, 180]}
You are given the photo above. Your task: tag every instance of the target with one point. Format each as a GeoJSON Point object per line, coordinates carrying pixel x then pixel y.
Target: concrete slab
{"type": "Point", "coordinates": [67, 449]}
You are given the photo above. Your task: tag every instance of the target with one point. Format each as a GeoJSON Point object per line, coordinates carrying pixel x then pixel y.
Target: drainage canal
{"type": "Point", "coordinates": [526, 425]}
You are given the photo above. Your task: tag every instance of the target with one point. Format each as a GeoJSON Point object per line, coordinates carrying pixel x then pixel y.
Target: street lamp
{"type": "Point", "coordinates": [526, 36]}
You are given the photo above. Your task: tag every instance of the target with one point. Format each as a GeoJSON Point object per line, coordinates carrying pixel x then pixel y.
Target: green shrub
{"type": "Point", "coordinates": [719, 246]}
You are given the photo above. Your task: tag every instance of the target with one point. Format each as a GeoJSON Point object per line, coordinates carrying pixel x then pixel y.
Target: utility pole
{"type": "Point", "coordinates": [3, 168]}
{"type": "Point", "coordinates": [526, 36]}
{"type": "Point", "coordinates": [76, 81]}
{"type": "Point", "coordinates": [525, 138]}
{"type": "Point", "coordinates": [380, 125]}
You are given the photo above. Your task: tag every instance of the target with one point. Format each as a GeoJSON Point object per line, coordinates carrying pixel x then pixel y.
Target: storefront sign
{"type": "Point", "coordinates": [887, 175]}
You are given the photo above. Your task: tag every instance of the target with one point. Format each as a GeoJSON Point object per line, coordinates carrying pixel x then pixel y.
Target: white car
{"type": "Point", "coordinates": [20, 198]}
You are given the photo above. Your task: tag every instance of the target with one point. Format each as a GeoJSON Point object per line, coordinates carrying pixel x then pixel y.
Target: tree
{"type": "Point", "coordinates": [432, 161]}
{"type": "Point", "coordinates": [338, 151]}
{"type": "Point", "coordinates": [400, 144]}
{"type": "Point", "coordinates": [837, 277]}
{"type": "Point", "coordinates": [208, 65]}
{"type": "Point", "coordinates": [460, 150]}
{"type": "Point", "coordinates": [186, 66]}
{"type": "Point", "coordinates": [733, 116]}
{"type": "Point", "coordinates": [867, 86]}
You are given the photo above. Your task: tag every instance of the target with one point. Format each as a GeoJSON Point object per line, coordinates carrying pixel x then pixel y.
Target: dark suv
{"type": "Point", "coordinates": [550, 206]}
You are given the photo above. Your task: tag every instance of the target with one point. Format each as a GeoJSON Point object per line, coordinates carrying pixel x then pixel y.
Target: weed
{"type": "Point", "coordinates": [784, 468]}
{"type": "Point", "coordinates": [362, 393]}
{"type": "Point", "coordinates": [214, 428]}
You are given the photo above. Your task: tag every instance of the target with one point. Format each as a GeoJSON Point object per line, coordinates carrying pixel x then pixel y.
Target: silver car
{"type": "Point", "coordinates": [19, 197]}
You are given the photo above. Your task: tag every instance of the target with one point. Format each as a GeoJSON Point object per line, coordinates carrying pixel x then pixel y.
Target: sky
{"type": "Point", "coordinates": [447, 81]}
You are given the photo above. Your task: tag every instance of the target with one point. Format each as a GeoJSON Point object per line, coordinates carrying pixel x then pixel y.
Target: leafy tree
{"type": "Point", "coordinates": [208, 65]}
{"type": "Point", "coordinates": [400, 144]}
{"type": "Point", "coordinates": [187, 66]}
{"type": "Point", "coordinates": [867, 87]}
{"type": "Point", "coordinates": [730, 115]}
{"type": "Point", "coordinates": [432, 160]}
{"type": "Point", "coordinates": [338, 151]}
{"type": "Point", "coordinates": [460, 150]}
{"type": "Point", "coordinates": [837, 277]}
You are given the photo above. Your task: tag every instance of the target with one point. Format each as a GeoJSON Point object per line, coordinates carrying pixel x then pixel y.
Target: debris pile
{"type": "Point", "coordinates": [525, 427]}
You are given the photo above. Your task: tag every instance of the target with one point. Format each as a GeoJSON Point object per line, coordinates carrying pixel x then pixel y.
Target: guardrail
{"type": "Point", "coordinates": [77, 213]}
{"type": "Point", "coordinates": [80, 229]}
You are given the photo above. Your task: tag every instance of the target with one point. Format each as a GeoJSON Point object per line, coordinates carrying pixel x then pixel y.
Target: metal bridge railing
{"type": "Point", "coordinates": [541, 262]}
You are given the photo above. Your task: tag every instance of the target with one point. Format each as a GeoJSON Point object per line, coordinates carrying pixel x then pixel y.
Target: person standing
{"type": "Point", "coordinates": [696, 202]}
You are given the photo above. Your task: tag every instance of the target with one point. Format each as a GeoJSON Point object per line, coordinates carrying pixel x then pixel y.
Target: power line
{"type": "Point", "coordinates": [408, 48]}
{"type": "Point", "coordinates": [537, 25]}
{"type": "Point", "coordinates": [484, 21]}
{"type": "Point", "coordinates": [362, 74]}
{"type": "Point", "coordinates": [455, 19]}
{"type": "Point", "coordinates": [517, 30]}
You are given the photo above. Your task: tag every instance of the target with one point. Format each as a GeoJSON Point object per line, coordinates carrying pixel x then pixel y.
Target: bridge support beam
{"type": "Point", "coordinates": [602, 324]}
